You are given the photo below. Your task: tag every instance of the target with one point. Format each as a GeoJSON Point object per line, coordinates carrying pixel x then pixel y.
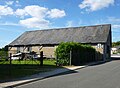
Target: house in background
{"type": "Point", "coordinates": [98, 36]}
{"type": "Point", "coordinates": [115, 50]}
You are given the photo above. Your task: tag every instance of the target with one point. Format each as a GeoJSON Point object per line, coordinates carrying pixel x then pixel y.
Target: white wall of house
{"type": "Point", "coordinates": [113, 50]}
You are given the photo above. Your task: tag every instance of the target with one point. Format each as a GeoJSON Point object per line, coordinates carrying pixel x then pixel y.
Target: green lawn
{"type": "Point", "coordinates": [46, 62]}
{"type": "Point", "coordinates": [24, 68]}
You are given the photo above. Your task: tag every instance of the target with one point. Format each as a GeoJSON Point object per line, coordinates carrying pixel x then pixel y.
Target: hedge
{"type": "Point", "coordinates": [80, 53]}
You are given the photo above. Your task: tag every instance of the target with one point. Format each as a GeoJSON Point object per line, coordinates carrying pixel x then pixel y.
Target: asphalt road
{"type": "Point", "coordinates": [106, 75]}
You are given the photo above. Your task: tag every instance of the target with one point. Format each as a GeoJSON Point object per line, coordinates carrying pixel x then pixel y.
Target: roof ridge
{"type": "Point", "coordinates": [67, 28]}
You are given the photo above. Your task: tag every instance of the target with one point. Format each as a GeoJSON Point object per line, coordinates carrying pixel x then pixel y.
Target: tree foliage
{"type": "Point", "coordinates": [3, 53]}
{"type": "Point", "coordinates": [115, 43]}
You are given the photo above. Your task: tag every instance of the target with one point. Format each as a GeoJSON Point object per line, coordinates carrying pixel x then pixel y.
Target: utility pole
{"type": "Point", "coordinates": [70, 57]}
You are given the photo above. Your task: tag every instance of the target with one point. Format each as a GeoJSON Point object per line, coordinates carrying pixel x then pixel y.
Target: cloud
{"type": "Point", "coordinates": [38, 15]}
{"type": "Point", "coordinates": [113, 19]}
{"type": "Point", "coordinates": [5, 10]}
{"type": "Point", "coordinates": [36, 11]}
{"type": "Point", "coordinates": [69, 23]}
{"type": "Point", "coordinates": [115, 26]}
{"type": "Point", "coordinates": [21, 13]}
{"type": "Point", "coordinates": [115, 22]}
{"type": "Point", "coordinates": [9, 23]}
{"type": "Point", "coordinates": [33, 11]}
{"type": "Point", "coordinates": [17, 4]}
{"type": "Point", "coordinates": [56, 13]}
{"type": "Point", "coordinates": [9, 2]}
{"type": "Point", "coordinates": [94, 5]}
{"type": "Point", "coordinates": [72, 23]}
{"type": "Point", "coordinates": [35, 23]}
{"type": "Point", "coordinates": [33, 16]}
{"type": "Point", "coordinates": [40, 12]}
{"type": "Point", "coordinates": [17, 1]}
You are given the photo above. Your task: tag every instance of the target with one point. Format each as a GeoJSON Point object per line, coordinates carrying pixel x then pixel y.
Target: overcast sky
{"type": "Point", "coordinates": [18, 16]}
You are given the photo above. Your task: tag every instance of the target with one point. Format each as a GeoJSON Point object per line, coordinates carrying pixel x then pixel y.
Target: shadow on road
{"type": "Point", "coordinates": [65, 73]}
{"type": "Point", "coordinates": [113, 57]}
{"type": "Point", "coordinates": [98, 63]}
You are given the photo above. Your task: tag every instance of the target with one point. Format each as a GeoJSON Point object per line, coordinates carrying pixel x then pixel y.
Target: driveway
{"type": "Point", "coordinates": [106, 75]}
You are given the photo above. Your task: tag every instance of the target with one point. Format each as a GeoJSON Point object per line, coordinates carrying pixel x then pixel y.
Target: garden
{"type": "Point", "coordinates": [21, 68]}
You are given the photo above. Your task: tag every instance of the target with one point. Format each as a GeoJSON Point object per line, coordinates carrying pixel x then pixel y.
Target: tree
{"type": "Point", "coordinates": [115, 43]}
{"type": "Point", "coordinates": [3, 53]}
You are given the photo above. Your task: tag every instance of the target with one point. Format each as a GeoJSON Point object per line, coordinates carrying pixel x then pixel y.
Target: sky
{"type": "Point", "coordinates": [18, 16]}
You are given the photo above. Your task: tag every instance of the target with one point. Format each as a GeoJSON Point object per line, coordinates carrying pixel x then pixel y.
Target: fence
{"type": "Point", "coordinates": [78, 58]}
{"type": "Point", "coordinates": [22, 58]}
{"type": "Point", "coordinates": [10, 68]}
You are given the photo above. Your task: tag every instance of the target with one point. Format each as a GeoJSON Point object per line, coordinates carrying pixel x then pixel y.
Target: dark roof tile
{"type": "Point", "coordinates": [85, 34]}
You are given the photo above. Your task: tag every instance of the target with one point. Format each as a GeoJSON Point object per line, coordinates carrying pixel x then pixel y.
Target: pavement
{"type": "Point", "coordinates": [41, 76]}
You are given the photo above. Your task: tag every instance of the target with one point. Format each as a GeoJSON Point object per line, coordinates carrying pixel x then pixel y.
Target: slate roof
{"type": "Point", "coordinates": [118, 47]}
{"type": "Point", "coordinates": [84, 34]}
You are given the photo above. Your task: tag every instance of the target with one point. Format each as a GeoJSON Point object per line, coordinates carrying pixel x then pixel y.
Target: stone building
{"type": "Point", "coordinates": [98, 36]}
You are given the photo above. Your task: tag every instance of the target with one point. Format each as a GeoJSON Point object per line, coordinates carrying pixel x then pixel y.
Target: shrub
{"type": "Point", "coordinates": [3, 55]}
{"type": "Point", "coordinates": [80, 53]}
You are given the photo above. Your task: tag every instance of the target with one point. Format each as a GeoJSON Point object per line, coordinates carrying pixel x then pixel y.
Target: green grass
{"type": "Point", "coordinates": [24, 68]}
{"type": "Point", "coordinates": [45, 62]}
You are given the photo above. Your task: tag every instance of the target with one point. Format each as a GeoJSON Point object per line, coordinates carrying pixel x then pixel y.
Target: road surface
{"type": "Point", "coordinates": [106, 75]}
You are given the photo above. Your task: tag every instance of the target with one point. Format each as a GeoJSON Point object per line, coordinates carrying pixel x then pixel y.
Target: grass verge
{"type": "Point", "coordinates": [24, 68]}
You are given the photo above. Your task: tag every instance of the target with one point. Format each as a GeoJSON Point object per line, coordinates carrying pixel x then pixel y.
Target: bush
{"type": "Point", "coordinates": [3, 54]}
{"type": "Point", "coordinates": [80, 53]}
